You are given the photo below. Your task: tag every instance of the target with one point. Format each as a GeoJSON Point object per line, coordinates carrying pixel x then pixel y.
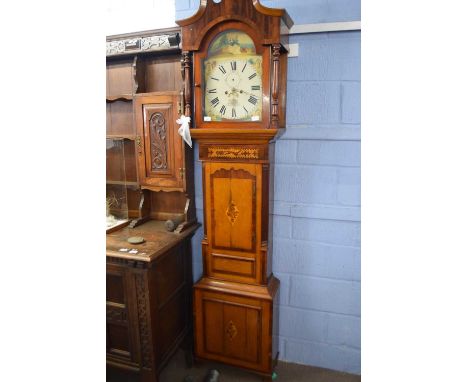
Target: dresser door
{"type": "Point", "coordinates": [159, 146]}
{"type": "Point", "coordinates": [233, 207]}
{"type": "Point", "coordinates": [120, 313]}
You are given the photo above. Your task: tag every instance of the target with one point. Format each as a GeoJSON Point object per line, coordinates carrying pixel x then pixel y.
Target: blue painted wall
{"type": "Point", "coordinates": [317, 192]}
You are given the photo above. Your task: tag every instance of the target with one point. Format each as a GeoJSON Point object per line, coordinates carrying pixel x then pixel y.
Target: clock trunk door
{"type": "Point", "coordinates": [159, 146]}
{"type": "Point", "coordinates": [233, 200]}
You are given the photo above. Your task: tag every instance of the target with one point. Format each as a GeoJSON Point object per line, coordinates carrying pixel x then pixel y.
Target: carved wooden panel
{"type": "Point", "coordinates": [143, 321]}
{"type": "Point", "coordinates": [157, 139]}
{"type": "Point", "coordinates": [158, 142]}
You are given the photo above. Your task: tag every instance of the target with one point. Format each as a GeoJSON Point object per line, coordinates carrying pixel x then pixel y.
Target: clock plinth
{"type": "Point", "coordinates": [234, 323]}
{"type": "Point", "coordinates": [235, 53]}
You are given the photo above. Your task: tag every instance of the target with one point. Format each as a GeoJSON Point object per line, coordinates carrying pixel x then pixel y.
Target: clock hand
{"type": "Point", "coordinates": [248, 93]}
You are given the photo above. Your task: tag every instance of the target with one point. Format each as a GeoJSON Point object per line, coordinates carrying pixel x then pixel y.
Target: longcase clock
{"type": "Point", "coordinates": [234, 64]}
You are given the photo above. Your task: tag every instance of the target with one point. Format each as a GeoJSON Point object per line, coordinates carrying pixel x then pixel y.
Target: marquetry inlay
{"type": "Point", "coordinates": [232, 212]}
{"type": "Point", "coordinates": [231, 330]}
{"type": "Point", "coordinates": [233, 153]}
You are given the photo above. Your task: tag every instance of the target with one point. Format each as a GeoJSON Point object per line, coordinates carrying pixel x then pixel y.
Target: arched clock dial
{"type": "Point", "coordinates": [232, 79]}
{"type": "Point", "coordinates": [233, 88]}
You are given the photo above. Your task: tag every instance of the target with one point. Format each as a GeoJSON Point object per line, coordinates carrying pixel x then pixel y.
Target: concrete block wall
{"type": "Point", "coordinates": [316, 216]}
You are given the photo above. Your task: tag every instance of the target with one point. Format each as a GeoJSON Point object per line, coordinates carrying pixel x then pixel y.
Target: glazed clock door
{"type": "Point", "coordinates": [231, 77]}
{"type": "Point", "coordinates": [159, 146]}
{"type": "Point", "coordinates": [233, 204]}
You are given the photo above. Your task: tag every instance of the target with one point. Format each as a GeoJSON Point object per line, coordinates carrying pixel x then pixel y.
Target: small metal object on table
{"type": "Point", "coordinates": [136, 240]}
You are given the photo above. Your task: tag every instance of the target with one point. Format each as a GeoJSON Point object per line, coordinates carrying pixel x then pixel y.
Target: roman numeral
{"type": "Point", "coordinates": [244, 67]}
{"type": "Point", "coordinates": [213, 78]}
{"type": "Point", "coordinates": [245, 110]}
{"type": "Point", "coordinates": [255, 87]}
{"type": "Point", "coordinates": [233, 65]}
{"type": "Point", "coordinates": [253, 100]}
{"type": "Point", "coordinates": [221, 67]}
{"type": "Point", "coordinates": [233, 113]}
{"type": "Point", "coordinates": [252, 76]}
{"type": "Point", "coordinates": [212, 91]}
{"type": "Point", "coordinates": [215, 101]}
{"type": "Point", "coordinates": [223, 110]}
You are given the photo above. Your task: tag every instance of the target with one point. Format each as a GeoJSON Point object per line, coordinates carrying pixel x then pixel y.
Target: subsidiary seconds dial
{"type": "Point", "coordinates": [233, 89]}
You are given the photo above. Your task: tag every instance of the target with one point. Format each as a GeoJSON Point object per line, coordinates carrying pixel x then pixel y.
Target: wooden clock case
{"type": "Point", "coordinates": [234, 320]}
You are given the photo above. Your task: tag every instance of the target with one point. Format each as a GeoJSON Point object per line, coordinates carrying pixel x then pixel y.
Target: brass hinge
{"type": "Point", "coordinates": [182, 172]}
{"type": "Point", "coordinates": [180, 103]}
{"type": "Point", "coordinates": [138, 141]}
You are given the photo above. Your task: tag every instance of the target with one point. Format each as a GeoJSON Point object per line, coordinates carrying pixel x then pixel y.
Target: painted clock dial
{"type": "Point", "coordinates": [232, 79]}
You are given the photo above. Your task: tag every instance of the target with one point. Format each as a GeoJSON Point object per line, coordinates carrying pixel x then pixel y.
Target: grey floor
{"type": "Point", "coordinates": [176, 370]}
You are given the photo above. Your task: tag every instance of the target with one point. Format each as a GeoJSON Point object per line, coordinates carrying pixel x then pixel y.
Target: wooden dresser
{"type": "Point", "coordinates": [148, 305]}
{"type": "Point", "coordinates": [149, 194]}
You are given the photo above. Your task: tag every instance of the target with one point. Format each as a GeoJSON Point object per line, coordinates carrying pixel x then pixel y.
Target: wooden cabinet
{"type": "Point", "coordinates": [161, 159]}
{"type": "Point", "coordinates": [149, 167]}
{"type": "Point", "coordinates": [148, 307]}
{"type": "Point", "coordinates": [150, 194]}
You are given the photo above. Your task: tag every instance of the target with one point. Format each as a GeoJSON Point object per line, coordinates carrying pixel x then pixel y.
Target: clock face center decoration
{"type": "Point", "coordinates": [232, 79]}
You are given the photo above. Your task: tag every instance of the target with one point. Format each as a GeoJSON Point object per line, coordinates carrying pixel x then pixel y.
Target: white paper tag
{"type": "Point", "coordinates": [255, 118]}
{"type": "Point", "coordinates": [123, 249]}
{"type": "Point", "coordinates": [207, 119]}
{"type": "Point", "coordinates": [133, 251]}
